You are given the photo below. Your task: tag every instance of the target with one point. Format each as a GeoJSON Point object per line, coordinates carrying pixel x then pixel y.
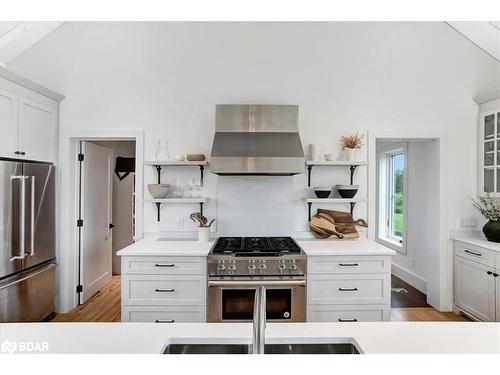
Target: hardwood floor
{"type": "Point", "coordinates": [405, 295]}
{"type": "Point", "coordinates": [105, 307]}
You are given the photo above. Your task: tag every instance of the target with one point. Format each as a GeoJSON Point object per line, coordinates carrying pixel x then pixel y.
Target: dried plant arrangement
{"type": "Point", "coordinates": [489, 207]}
{"type": "Point", "coordinates": [351, 141]}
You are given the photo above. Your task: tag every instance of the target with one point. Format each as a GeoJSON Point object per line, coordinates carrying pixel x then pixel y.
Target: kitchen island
{"type": "Point", "coordinates": [150, 338]}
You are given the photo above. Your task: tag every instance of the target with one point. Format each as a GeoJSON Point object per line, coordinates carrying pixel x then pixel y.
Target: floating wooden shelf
{"type": "Point", "coordinates": [159, 202]}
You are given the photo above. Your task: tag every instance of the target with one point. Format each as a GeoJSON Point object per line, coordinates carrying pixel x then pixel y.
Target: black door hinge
{"type": "Point", "coordinates": [80, 157]}
{"type": "Point", "coordinates": [79, 223]}
{"type": "Point", "coordinates": [79, 288]}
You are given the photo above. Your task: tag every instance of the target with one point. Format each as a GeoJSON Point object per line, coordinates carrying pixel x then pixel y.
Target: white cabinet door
{"type": "Point", "coordinates": [489, 153]}
{"type": "Point", "coordinates": [9, 111]}
{"type": "Point", "coordinates": [475, 288]}
{"type": "Point", "coordinates": [497, 288]}
{"type": "Point", "coordinates": [37, 130]}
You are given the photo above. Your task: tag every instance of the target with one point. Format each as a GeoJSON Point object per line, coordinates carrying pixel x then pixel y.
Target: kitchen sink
{"type": "Point", "coordinates": [295, 348]}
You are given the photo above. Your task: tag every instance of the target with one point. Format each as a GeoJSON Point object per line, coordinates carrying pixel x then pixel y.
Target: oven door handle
{"type": "Point", "coordinates": [257, 282]}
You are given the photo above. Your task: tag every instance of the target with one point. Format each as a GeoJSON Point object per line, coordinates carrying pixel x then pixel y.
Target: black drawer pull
{"type": "Point", "coordinates": [164, 321]}
{"type": "Point", "coordinates": [473, 253]}
{"type": "Point", "coordinates": [164, 290]}
{"type": "Point", "coordinates": [348, 264]}
{"type": "Point", "coordinates": [164, 265]}
{"type": "Point", "coordinates": [348, 289]}
{"type": "Point", "coordinates": [495, 275]}
{"type": "Point", "coordinates": [489, 273]}
{"type": "Point", "coordinates": [347, 320]}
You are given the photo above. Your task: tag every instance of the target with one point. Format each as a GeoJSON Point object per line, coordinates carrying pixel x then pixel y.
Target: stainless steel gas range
{"type": "Point", "coordinates": [238, 265]}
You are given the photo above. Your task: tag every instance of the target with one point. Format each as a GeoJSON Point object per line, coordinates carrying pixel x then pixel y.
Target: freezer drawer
{"type": "Point", "coordinates": [29, 297]}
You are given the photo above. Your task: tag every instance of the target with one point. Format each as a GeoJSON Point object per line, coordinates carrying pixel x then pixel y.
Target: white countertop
{"type": "Point", "coordinates": [153, 246]}
{"type": "Point", "coordinates": [376, 337]}
{"type": "Point", "coordinates": [475, 238]}
{"type": "Point", "coordinates": [360, 246]}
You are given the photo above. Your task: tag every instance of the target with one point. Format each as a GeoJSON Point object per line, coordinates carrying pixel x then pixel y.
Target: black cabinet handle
{"type": "Point", "coordinates": [164, 290]}
{"type": "Point", "coordinates": [495, 275]}
{"type": "Point", "coordinates": [20, 153]}
{"type": "Point", "coordinates": [489, 273]}
{"type": "Point", "coordinates": [347, 320]}
{"type": "Point", "coordinates": [473, 253]}
{"type": "Point", "coordinates": [348, 264]}
{"type": "Point", "coordinates": [164, 265]}
{"type": "Point", "coordinates": [348, 289]}
{"type": "Point", "coordinates": [164, 321]}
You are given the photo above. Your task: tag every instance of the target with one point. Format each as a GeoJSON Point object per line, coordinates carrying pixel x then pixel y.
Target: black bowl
{"type": "Point", "coordinates": [322, 193]}
{"type": "Point", "coordinates": [347, 193]}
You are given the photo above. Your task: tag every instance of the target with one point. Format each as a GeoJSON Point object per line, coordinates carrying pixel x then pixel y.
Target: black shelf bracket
{"type": "Point", "coordinates": [309, 170]}
{"type": "Point", "coordinates": [352, 168]}
{"type": "Point", "coordinates": [158, 171]}
{"type": "Point", "coordinates": [352, 207]}
{"type": "Point", "coordinates": [201, 208]}
{"type": "Point", "coordinates": [158, 209]}
{"type": "Point", "coordinates": [201, 174]}
{"type": "Point", "coordinates": [309, 208]}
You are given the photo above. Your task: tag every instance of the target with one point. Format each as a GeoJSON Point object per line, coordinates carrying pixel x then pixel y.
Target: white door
{"type": "Point", "coordinates": [37, 130]}
{"type": "Point", "coordinates": [475, 288]}
{"type": "Point", "coordinates": [8, 124]}
{"type": "Point", "coordinates": [96, 211]}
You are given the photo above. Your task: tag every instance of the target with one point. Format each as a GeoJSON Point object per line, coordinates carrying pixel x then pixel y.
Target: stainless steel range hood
{"type": "Point", "coordinates": [257, 140]}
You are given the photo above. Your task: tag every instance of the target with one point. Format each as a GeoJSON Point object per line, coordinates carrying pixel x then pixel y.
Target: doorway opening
{"type": "Point", "coordinates": [106, 211]}
{"type": "Point", "coordinates": [407, 215]}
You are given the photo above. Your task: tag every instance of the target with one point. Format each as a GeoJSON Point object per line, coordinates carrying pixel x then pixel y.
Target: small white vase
{"type": "Point", "coordinates": [351, 154]}
{"type": "Point", "coordinates": [314, 152]}
{"type": "Point", "coordinates": [203, 234]}
{"type": "Point", "coordinates": [163, 151]}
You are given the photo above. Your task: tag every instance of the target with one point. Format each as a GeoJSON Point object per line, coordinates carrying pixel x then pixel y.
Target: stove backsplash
{"type": "Point", "coordinates": [255, 206]}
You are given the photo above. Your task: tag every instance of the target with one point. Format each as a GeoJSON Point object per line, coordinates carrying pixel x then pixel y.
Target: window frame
{"type": "Point", "coordinates": [386, 197]}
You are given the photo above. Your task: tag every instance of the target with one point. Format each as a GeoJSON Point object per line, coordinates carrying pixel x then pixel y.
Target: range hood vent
{"type": "Point", "coordinates": [257, 140]}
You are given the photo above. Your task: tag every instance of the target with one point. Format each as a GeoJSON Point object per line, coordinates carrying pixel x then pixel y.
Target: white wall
{"type": "Point", "coordinates": [422, 194]}
{"type": "Point", "coordinates": [123, 233]}
{"type": "Point", "coordinates": [167, 77]}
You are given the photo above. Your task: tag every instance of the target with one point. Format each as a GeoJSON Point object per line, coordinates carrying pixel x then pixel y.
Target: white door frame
{"type": "Point", "coordinates": [67, 246]}
{"type": "Point", "coordinates": [439, 287]}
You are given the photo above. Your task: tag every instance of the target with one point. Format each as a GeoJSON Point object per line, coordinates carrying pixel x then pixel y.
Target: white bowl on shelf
{"type": "Point", "coordinates": [330, 157]}
{"type": "Point", "coordinates": [158, 191]}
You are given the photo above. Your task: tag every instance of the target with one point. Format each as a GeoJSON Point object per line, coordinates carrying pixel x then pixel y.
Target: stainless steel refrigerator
{"type": "Point", "coordinates": [27, 240]}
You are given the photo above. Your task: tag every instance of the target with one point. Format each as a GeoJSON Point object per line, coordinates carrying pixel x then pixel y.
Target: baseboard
{"type": "Point", "coordinates": [409, 277]}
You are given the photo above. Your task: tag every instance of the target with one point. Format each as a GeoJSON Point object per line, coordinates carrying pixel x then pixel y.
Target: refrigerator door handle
{"type": "Point", "coordinates": [32, 237]}
{"type": "Point", "coordinates": [22, 203]}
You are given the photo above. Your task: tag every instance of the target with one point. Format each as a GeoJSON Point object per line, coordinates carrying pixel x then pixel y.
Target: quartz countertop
{"type": "Point", "coordinates": [475, 238]}
{"type": "Point", "coordinates": [360, 246]}
{"type": "Point", "coordinates": [152, 246]}
{"type": "Point", "coordinates": [374, 337]}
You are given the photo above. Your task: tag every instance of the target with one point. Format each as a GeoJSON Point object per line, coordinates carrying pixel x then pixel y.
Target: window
{"type": "Point", "coordinates": [392, 202]}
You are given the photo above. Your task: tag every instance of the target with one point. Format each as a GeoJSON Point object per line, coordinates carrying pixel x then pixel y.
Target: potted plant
{"type": "Point", "coordinates": [351, 144]}
{"type": "Point", "coordinates": [490, 209]}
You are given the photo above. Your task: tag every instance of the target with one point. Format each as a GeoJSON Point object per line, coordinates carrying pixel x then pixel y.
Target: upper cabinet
{"type": "Point", "coordinates": [28, 123]}
{"type": "Point", "coordinates": [489, 153]}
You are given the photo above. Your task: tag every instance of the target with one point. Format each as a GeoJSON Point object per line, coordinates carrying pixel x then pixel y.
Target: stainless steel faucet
{"type": "Point", "coordinates": [259, 321]}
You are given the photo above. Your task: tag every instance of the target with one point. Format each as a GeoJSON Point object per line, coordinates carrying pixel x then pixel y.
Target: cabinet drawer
{"type": "Point", "coordinates": [164, 265]}
{"type": "Point", "coordinates": [348, 313]}
{"type": "Point", "coordinates": [164, 290]}
{"type": "Point", "coordinates": [162, 314]}
{"type": "Point", "coordinates": [475, 254]}
{"type": "Point", "coordinates": [349, 264]}
{"type": "Point", "coordinates": [348, 289]}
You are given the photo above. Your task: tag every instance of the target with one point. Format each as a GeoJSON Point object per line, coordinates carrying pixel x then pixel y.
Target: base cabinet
{"type": "Point", "coordinates": [349, 288]}
{"type": "Point", "coordinates": [164, 289]}
{"type": "Point", "coordinates": [477, 282]}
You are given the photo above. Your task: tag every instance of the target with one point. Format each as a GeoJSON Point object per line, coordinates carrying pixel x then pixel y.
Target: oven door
{"type": "Point", "coordinates": [233, 300]}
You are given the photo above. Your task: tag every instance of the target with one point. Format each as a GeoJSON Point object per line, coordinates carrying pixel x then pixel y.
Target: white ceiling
{"type": "Point", "coordinates": [17, 36]}
{"type": "Point", "coordinates": [484, 34]}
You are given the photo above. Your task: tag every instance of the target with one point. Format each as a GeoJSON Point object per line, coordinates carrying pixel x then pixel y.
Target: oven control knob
{"type": "Point", "coordinates": [282, 266]}
{"type": "Point", "coordinates": [221, 268]}
{"type": "Point", "coordinates": [251, 267]}
{"type": "Point", "coordinates": [262, 266]}
{"type": "Point", "coordinates": [232, 267]}
{"type": "Point", "coordinates": [293, 267]}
